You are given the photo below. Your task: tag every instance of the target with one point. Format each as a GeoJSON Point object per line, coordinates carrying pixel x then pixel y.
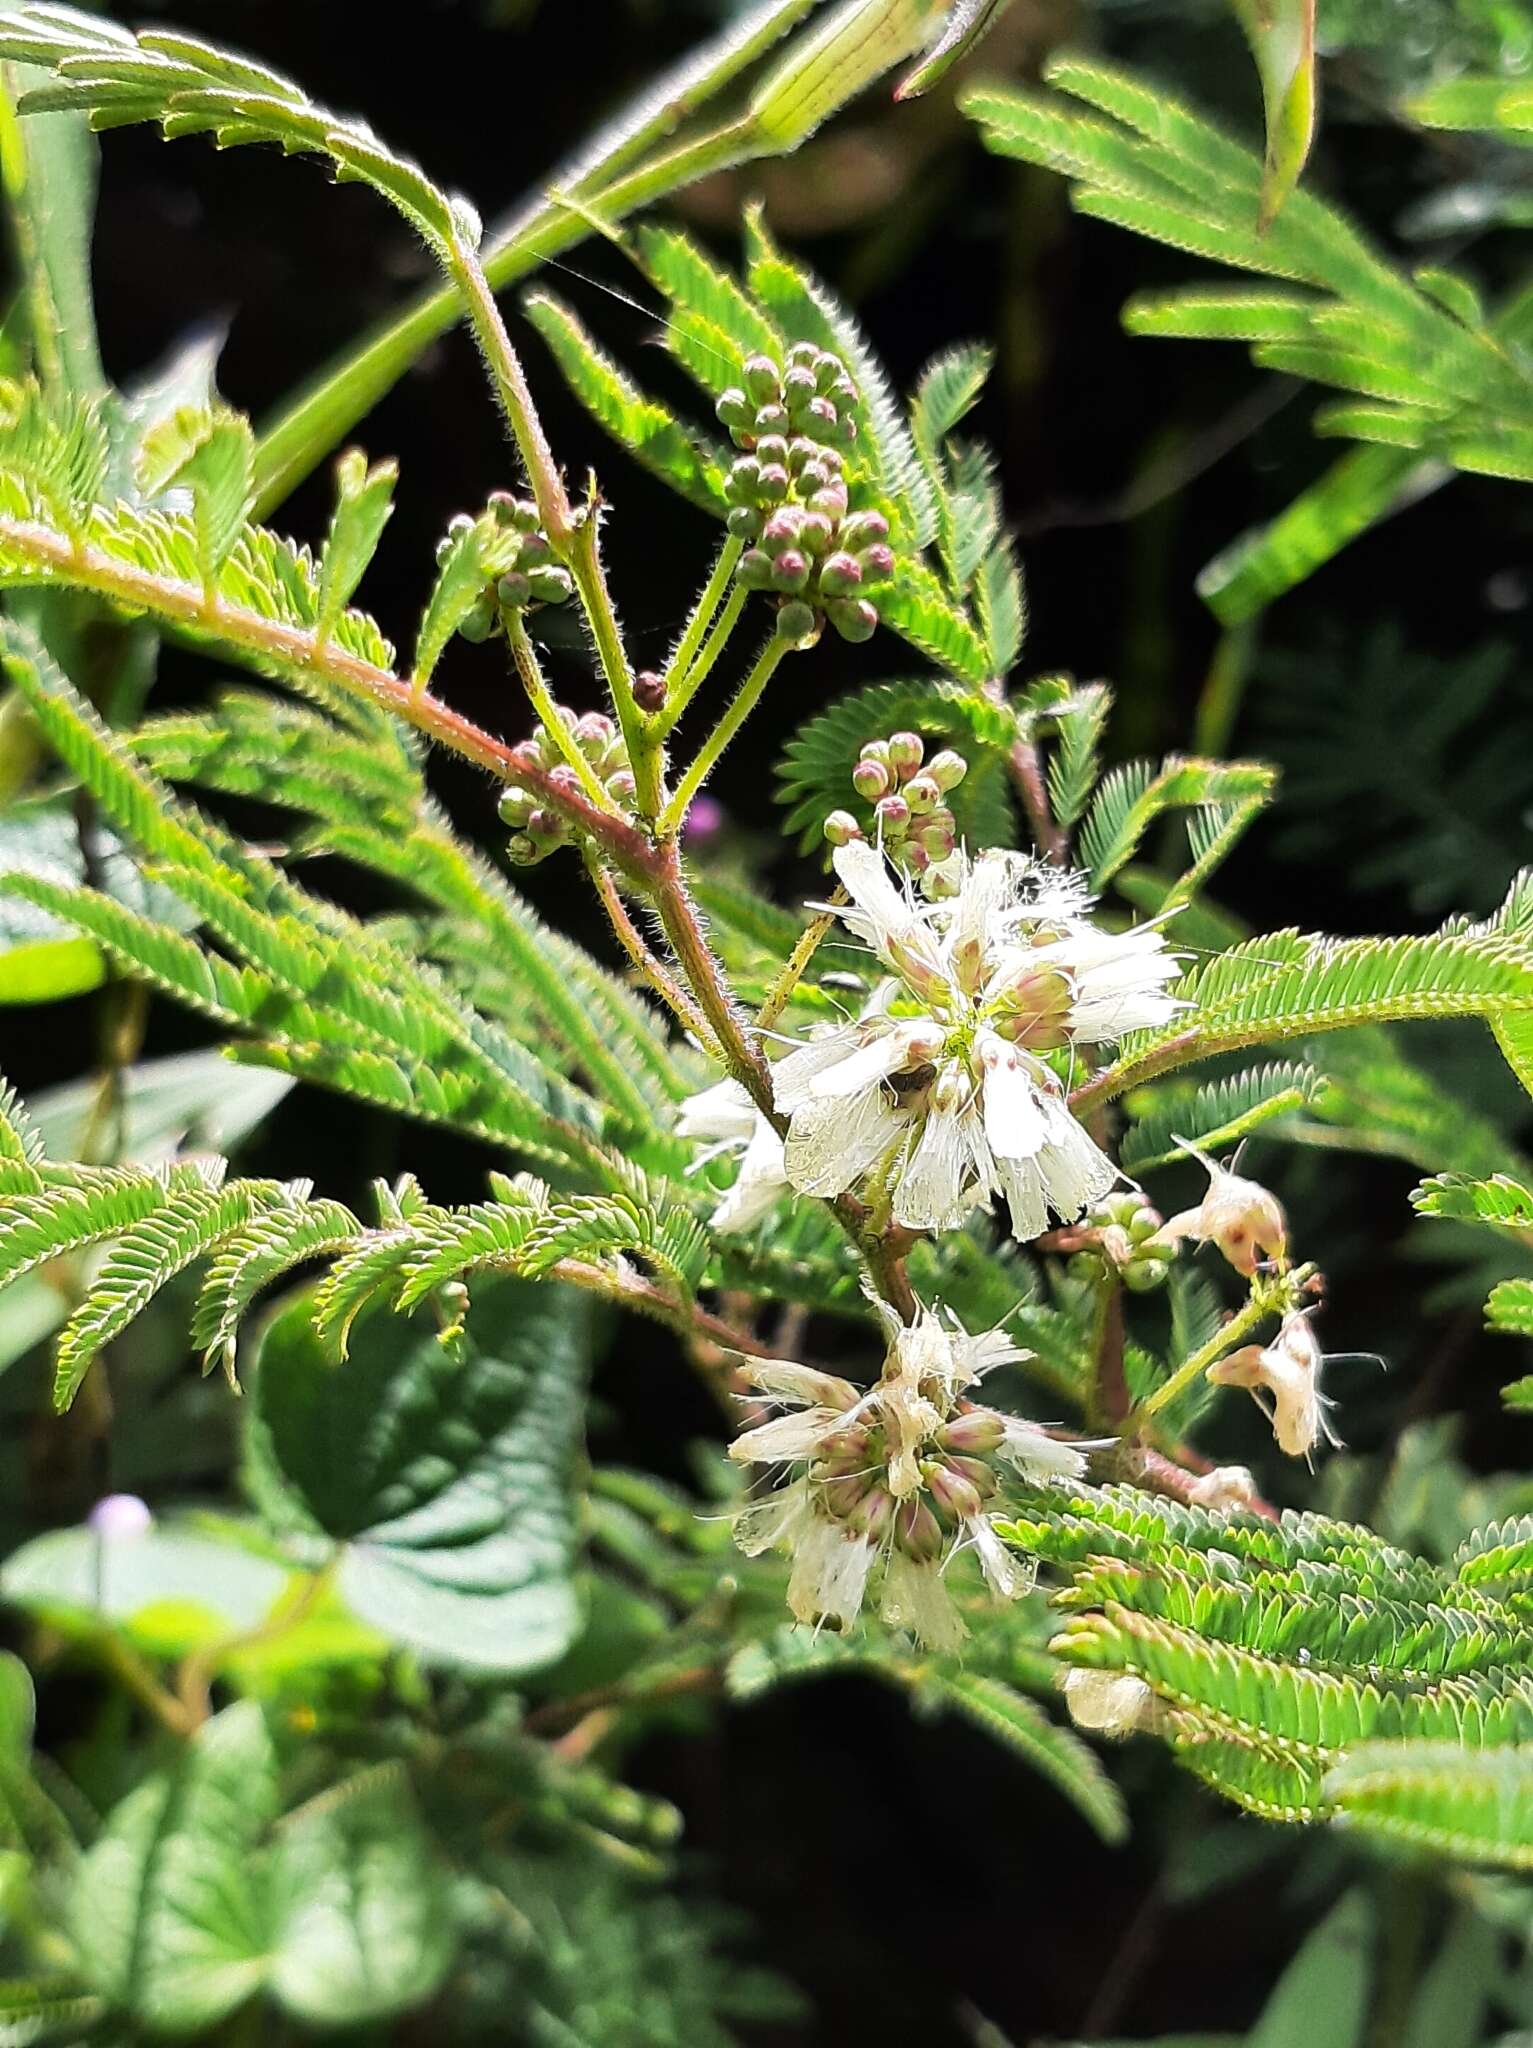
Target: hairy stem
{"type": "Point", "coordinates": [708, 755]}
{"type": "Point", "coordinates": [781, 992]}
{"type": "Point", "coordinates": [645, 965]}
{"type": "Point", "coordinates": [585, 566]}
{"type": "Point", "coordinates": [528, 668]}
{"type": "Point", "coordinates": [680, 682]}
{"type": "Point", "coordinates": [1240, 1325]}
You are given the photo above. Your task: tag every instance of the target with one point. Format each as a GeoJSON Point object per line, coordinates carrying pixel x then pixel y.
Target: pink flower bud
{"type": "Point", "coordinates": [917, 1530]}
{"type": "Point", "coordinates": [893, 813]}
{"type": "Point", "coordinates": [841, 828]}
{"type": "Point", "coordinates": [956, 1498]}
{"type": "Point", "coordinates": [922, 794]}
{"type": "Point", "coordinates": [907, 750]}
{"type": "Point", "coordinates": [980, 1429]}
{"type": "Point", "coordinates": [119, 1516]}
{"type": "Point", "coordinates": [761, 378]}
{"type": "Point", "coordinates": [871, 779]}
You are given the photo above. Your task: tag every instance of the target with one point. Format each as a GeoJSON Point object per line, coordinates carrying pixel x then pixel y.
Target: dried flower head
{"type": "Point", "coordinates": [1112, 1703]}
{"type": "Point", "coordinates": [892, 1481]}
{"type": "Point", "coordinates": [1283, 1378]}
{"type": "Point", "coordinates": [1223, 1491]}
{"type": "Point", "coordinates": [1240, 1216]}
{"type": "Point", "coordinates": [942, 1080]}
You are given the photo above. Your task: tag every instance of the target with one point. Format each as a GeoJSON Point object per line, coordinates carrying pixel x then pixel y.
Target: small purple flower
{"type": "Point", "coordinates": [705, 820]}
{"type": "Point", "coordinates": [119, 1515]}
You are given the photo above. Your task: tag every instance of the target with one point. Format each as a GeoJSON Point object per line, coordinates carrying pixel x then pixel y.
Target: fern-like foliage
{"type": "Point", "coordinates": [1276, 1654]}
{"type": "Point", "coordinates": [191, 88]}
{"type": "Point", "coordinates": [1424, 368]}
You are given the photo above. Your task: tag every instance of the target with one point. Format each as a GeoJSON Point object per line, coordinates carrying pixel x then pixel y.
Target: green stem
{"type": "Point", "coordinates": [743, 704]}
{"type": "Point", "coordinates": [322, 415]}
{"type": "Point", "coordinates": [781, 992]}
{"type": "Point", "coordinates": [542, 701]}
{"type": "Point", "coordinates": [692, 680]}
{"type": "Point", "coordinates": [678, 689]}
{"type": "Point", "coordinates": [584, 561]}
{"type": "Point", "coordinates": [1240, 1325]}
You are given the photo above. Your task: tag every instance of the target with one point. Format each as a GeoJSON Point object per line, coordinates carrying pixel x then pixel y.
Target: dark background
{"type": "Point", "coordinates": [859, 1841]}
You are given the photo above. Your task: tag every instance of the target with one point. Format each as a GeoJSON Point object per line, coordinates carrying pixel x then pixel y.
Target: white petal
{"type": "Point", "coordinates": [1007, 1575]}
{"type": "Point", "coordinates": [915, 1598]}
{"type": "Point", "coordinates": [1021, 1182]}
{"type": "Point", "coordinates": [1075, 1172]}
{"type": "Point", "coordinates": [792, 1074]}
{"type": "Point", "coordinates": [783, 1380]}
{"type": "Point", "coordinates": [722, 1111]}
{"type": "Point", "coordinates": [832, 1144]}
{"type": "Point", "coordinates": [1038, 1457]}
{"type": "Point", "coordinates": [1015, 1124]}
{"type": "Point", "coordinates": [882, 912]}
{"type": "Point", "coordinates": [906, 1044]}
{"type": "Point", "coordinates": [763, 1524]}
{"type": "Point", "coordinates": [935, 1190]}
{"type": "Point", "coordinates": [763, 1178]}
{"type": "Point", "coordinates": [830, 1573]}
{"type": "Point", "coordinates": [794, 1435]}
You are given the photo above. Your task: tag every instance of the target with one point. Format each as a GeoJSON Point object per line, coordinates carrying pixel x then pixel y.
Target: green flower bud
{"type": "Point", "coordinates": [515, 806]}
{"type": "Point", "coordinates": [782, 529]}
{"type": "Point", "coordinates": [841, 828]}
{"type": "Point", "coordinates": [907, 750]}
{"type": "Point", "coordinates": [551, 586]}
{"type": "Point", "coordinates": [922, 794]}
{"type": "Point", "coordinates": [514, 591]}
{"type": "Point", "coordinates": [947, 769]}
{"type": "Point", "coordinates": [774, 420]}
{"type": "Point", "coordinates": [873, 1514]}
{"type": "Point", "coordinates": [853, 618]}
{"type": "Point", "coordinates": [1143, 1276]}
{"type": "Point", "coordinates": [829, 371]}
{"type": "Point", "coordinates": [815, 533]}
{"type": "Point", "coordinates": [521, 851]}
{"type": "Point", "coordinates": [871, 779]}
{"type": "Point", "coordinates": [735, 410]}
{"type": "Point", "coordinates": [917, 1531]}
{"type": "Point", "coordinates": [622, 786]}
{"type": "Point", "coordinates": [840, 575]}
{"type": "Point", "coordinates": [761, 379]}
{"type": "Point", "coordinates": [830, 501]}
{"type": "Point", "coordinates": [755, 569]}
{"type": "Point", "coordinates": [479, 623]}
{"type": "Point", "coordinates": [864, 530]}
{"type": "Point", "coordinates": [821, 419]}
{"type": "Point", "coordinates": [790, 571]}
{"type": "Point", "coordinates": [775, 483]}
{"type": "Point", "coordinates": [743, 482]}
{"type": "Point", "coordinates": [803, 355]}
{"type": "Point", "coordinates": [954, 1495]}
{"type": "Point", "coordinates": [798, 389]}
{"type": "Point", "coordinates": [594, 732]}
{"type": "Point", "coordinates": [796, 622]}
{"type": "Point", "coordinates": [893, 813]}
{"type": "Point", "coordinates": [980, 1429]}
{"type": "Point", "coordinates": [936, 840]}
{"type": "Point", "coordinates": [877, 563]}
{"type": "Point", "coordinates": [745, 523]}
{"type": "Point", "coordinates": [877, 750]}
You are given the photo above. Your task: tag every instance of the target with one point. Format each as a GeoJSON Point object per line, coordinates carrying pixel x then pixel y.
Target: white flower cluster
{"type": "Point", "coordinates": [892, 1481]}
{"type": "Point", "coordinates": [942, 1077]}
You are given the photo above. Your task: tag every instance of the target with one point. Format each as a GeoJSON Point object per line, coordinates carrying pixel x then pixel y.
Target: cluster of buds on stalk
{"type": "Point", "coordinates": [1125, 1228]}
{"type": "Point", "coordinates": [911, 818]}
{"type": "Point", "coordinates": [536, 828]}
{"type": "Point", "coordinates": [517, 554]}
{"type": "Point", "coordinates": [789, 500]}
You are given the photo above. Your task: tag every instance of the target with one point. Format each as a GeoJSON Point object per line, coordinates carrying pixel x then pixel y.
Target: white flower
{"type": "Point", "coordinates": [893, 1482]}
{"type": "Point", "coordinates": [943, 1075]}
{"type": "Point", "coordinates": [725, 1115]}
{"type": "Point", "coordinates": [1284, 1381]}
{"type": "Point", "coordinates": [1240, 1216]}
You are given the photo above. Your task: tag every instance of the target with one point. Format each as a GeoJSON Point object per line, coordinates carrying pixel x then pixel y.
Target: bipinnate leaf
{"type": "Point", "coordinates": [1474, 1807]}
{"type": "Point", "coordinates": [442, 1475]}
{"type": "Point", "coordinates": [364, 502]}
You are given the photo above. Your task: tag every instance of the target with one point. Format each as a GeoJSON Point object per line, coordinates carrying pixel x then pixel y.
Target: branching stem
{"type": "Point", "coordinates": [740, 708]}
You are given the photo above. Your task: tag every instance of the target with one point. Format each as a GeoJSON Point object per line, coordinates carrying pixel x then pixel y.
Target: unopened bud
{"type": "Point", "coordinates": [840, 575]}
{"type": "Point", "coordinates": [622, 786]}
{"type": "Point", "coordinates": [761, 378]}
{"type": "Point", "coordinates": [956, 1497]}
{"type": "Point", "coordinates": [755, 569]}
{"type": "Point", "coordinates": [649, 690]}
{"type": "Point", "coordinates": [871, 779]}
{"type": "Point", "coordinates": [907, 750]}
{"type": "Point", "coordinates": [796, 622]}
{"type": "Point", "coordinates": [892, 812]}
{"type": "Point", "coordinates": [917, 1530]}
{"type": "Point", "coordinates": [922, 794]}
{"type": "Point", "coordinates": [790, 571]}
{"type": "Point", "coordinates": [841, 828]}
{"type": "Point", "coordinates": [877, 562]}
{"type": "Point", "coordinates": [980, 1429]}
{"type": "Point", "coordinates": [853, 618]}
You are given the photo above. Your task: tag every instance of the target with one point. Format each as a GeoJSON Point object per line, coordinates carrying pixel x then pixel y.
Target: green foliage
{"type": "Point", "coordinates": [1425, 370]}
{"type": "Point", "coordinates": [435, 1471]}
{"type": "Point", "coordinates": [1280, 1649]}
{"type": "Point", "coordinates": [191, 88]}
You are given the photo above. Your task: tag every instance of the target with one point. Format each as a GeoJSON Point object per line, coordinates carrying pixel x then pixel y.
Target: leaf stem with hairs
{"type": "Point", "coordinates": [739, 709]}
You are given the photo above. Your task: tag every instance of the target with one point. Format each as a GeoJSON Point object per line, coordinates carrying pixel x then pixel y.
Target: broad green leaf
{"type": "Point", "coordinates": [444, 1480]}
{"type": "Point", "coordinates": [170, 1589]}
{"type": "Point", "coordinates": [362, 1913]}
{"type": "Point", "coordinates": [170, 1914]}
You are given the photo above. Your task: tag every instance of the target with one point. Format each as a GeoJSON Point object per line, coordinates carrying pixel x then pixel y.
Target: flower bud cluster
{"type": "Point", "coordinates": [536, 828]}
{"type": "Point", "coordinates": [911, 818]}
{"type": "Point", "coordinates": [514, 545]}
{"type": "Point", "coordinates": [1126, 1228]}
{"type": "Point", "coordinates": [789, 500]}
